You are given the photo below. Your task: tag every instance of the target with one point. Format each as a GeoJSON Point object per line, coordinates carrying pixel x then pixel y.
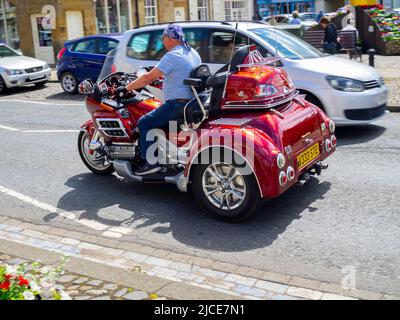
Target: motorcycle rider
{"type": "Point", "coordinates": [175, 66]}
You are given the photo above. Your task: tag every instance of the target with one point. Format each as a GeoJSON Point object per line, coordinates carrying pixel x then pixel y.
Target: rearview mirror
{"type": "Point", "coordinates": [86, 87]}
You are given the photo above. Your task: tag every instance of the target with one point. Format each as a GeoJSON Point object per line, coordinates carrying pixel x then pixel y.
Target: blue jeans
{"type": "Point", "coordinates": [329, 47]}
{"type": "Point", "coordinates": [158, 118]}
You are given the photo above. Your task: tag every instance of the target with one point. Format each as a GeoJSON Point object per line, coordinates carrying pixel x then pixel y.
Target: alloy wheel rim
{"type": "Point", "coordinates": [224, 186]}
{"type": "Point", "coordinates": [95, 161]}
{"type": "Point", "coordinates": [69, 83]}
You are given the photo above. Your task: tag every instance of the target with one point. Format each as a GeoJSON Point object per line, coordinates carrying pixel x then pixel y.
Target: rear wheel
{"type": "Point", "coordinates": [93, 162]}
{"type": "Point", "coordinates": [222, 190]}
{"type": "Point", "coordinates": [69, 83]}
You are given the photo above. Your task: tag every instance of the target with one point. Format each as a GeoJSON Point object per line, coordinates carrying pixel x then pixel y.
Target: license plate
{"type": "Point", "coordinates": [36, 77]}
{"type": "Point", "coordinates": [308, 156]}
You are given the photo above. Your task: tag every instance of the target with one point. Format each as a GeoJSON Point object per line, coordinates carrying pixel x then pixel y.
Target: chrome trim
{"type": "Point", "coordinates": [261, 106]}
{"type": "Point", "coordinates": [124, 169]}
{"type": "Point", "coordinates": [104, 130]}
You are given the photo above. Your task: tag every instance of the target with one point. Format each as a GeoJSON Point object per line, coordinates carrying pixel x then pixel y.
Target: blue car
{"type": "Point", "coordinates": [83, 58]}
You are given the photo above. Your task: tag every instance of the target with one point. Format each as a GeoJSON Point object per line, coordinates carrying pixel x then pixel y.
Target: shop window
{"type": "Point", "coordinates": [137, 46]}
{"type": "Point", "coordinates": [150, 11]}
{"type": "Point", "coordinates": [88, 46]}
{"type": "Point", "coordinates": [202, 9]}
{"type": "Point", "coordinates": [106, 45]}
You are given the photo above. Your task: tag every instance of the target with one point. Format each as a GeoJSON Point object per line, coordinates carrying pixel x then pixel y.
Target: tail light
{"type": "Point", "coordinates": [280, 160]}
{"type": "Point", "coordinates": [331, 126]}
{"type": "Point", "coordinates": [290, 173]}
{"type": "Point", "coordinates": [282, 178]}
{"type": "Point", "coordinates": [328, 145]}
{"type": "Point", "coordinates": [333, 141]}
{"type": "Point", "coordinates": [113, 68]}
{"type": "Point", "coordinates": [265, 90]}
{"type": "Point", "coordinates": [61, 53]}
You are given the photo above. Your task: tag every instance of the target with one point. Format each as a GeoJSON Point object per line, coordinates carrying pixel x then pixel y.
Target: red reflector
{"type": "Point", "coordinates": [113, 68]}
{"type": "Point", "coordinates": [61, 53]}
{"type": "Point", "coordinates": [253, 47]}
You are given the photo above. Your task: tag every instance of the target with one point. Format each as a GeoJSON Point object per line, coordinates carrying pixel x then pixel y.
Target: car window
{"type": "Point", "coordinates": [137, 46]}
{"type": "Point", "coordinates": [86, 46]}
{"type": "Point", "coordinates": [220, 46]}
{"type": "Point", "coordinates": [7, 52]}
{"type": "Point", "coordinates": [156, 49]}
{"type": "Point", "coordinates": [106, 45]}
{"type": "Point", "coordinates": [286, 44]}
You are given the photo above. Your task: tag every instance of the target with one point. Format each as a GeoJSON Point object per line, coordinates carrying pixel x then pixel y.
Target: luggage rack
{"type": "Point", "coordinates": [256, 59]}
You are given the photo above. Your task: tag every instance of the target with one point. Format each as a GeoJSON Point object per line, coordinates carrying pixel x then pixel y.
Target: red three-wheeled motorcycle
{"type": "Point", "coordinates": [247, 135]}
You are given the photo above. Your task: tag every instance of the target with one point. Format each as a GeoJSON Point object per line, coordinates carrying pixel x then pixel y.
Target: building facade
{"type": "Point", "coordinates": [8, 24]}
{"type": "Point", "coordinates": [77, 18]}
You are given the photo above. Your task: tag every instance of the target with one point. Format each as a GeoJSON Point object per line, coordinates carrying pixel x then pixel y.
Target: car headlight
{"type": "Point", "coordinates": [12, 72]}
{"type": "Point", "coordinates": [46, 66]}
{"type": "Point", "coordinates": [345, 84]}
{"type": "Point", "coordinates": [381, 82]}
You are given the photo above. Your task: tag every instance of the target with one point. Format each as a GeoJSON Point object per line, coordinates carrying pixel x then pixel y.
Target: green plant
{"type": "Point", "coordinates": [31, 281]}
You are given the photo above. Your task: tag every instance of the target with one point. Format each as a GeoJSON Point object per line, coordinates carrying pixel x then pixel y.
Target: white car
{"type": "Point", "coordinates": [17, 70]}
{"type": "Point", "coordinates": [349, 92]}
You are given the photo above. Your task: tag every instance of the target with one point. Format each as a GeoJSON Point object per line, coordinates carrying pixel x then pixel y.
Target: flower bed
{"type": "Point", "coordinates": [389, 27]}
{"type": "Point", "coordinates": [31, 282]}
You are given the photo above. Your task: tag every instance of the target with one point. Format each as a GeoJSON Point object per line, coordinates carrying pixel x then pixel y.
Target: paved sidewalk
{"type": "Point", "coordinates": [164, 273]}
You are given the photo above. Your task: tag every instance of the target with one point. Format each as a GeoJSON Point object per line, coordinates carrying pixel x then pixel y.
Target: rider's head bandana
{"type": "Point", "coordinates": [175, 31]}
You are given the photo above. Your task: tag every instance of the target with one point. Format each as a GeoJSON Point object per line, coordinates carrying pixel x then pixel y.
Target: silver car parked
{"type": "Point", "coordinates": [349, 92]}
{"type": "Point", "coordinates": [18, 70]}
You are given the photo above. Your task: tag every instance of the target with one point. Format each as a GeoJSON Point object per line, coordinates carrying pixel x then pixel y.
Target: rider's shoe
{"type": "Point", "coordinates": [147, 168]}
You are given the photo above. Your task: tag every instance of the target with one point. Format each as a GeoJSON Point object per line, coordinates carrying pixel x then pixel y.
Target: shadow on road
{"type": "Point", "coordinates": [358, 134]}
{"type": "Point", "coordinates": [144, 206]}
{"type": "Point", "coordinates": [66, 96]}
{"type": "Point", "coordinates": [22, 90]}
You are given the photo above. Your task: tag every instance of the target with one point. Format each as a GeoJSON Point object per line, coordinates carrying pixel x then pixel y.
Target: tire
{"type": "Point", "coordinates": [40, 84]}
{"type": "Point", "coordinates": [244, 185]}
{"type": "Point", "coordinates": [3, 86]}
{"type": "Point", "coordinates": [69, 83]}
{"type": "Point", "coordinates": [98, 166]}
{"type": "Point", "coordinates": [313, 99]}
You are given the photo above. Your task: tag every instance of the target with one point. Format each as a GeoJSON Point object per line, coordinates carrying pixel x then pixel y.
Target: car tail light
{"type": "Point", "coordinates": [331, 126]}
{"type": "Point", "coordinates": [280, 160]}
{"type": "Point", "coordinates": [328, 145]}
{"type": "Point", "coordinates": [113, 68]}
{"type": "Point", "coordinates": [333, 141]}
{"type": "Point", "coordinates": [290, 173]}
{"type": "Point", "coordinates": [61, 53]}
{"type": "Point", "coordinates": [282, 178]}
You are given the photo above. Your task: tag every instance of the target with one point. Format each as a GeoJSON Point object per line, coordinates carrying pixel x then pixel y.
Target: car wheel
{"type": "Point", "coordinates": [69, 83]}
{"type": "Point", "coordinates": [40, 84]}
{"type": "Point", "coordinates": [3, 86]}
{"type": "Point", "coordinates": [224, 192]}
{"type": "Point", "coordinates": [97, 165]}
{"type": "Point", "coordinates": [313, 99]}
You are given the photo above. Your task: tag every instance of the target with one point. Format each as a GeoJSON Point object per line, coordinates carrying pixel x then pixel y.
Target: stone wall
{"type": "Point", "coordinates": [24, 10]}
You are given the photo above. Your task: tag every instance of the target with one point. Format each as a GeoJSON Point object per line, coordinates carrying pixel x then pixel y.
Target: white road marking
{"type": "Point", "coordinates": [43, 102]}
{"type": "Point", "coordinates": [8, 128]}
{"type": "Point", "coordinates": [111, 232]}
{"type": "Point", "coordinates": [48, 131]}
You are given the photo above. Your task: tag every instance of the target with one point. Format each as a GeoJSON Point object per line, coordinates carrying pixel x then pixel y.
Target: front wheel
{"type": "Point", "coordinates": [93, 162]}
{"type": "Point", "coordinates": [224, 192]}
{"type": "Point", "coordinates": [69, 83]}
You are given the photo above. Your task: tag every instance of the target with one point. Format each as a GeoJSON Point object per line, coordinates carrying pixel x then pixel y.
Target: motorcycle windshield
{"type": "Point", "coordinates": [108, 65]}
